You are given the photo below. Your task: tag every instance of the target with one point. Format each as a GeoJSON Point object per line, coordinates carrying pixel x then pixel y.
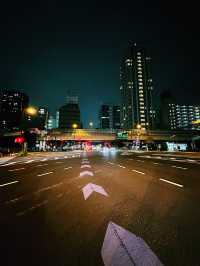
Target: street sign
{"type": "Point", "coordinates": [122, 135]}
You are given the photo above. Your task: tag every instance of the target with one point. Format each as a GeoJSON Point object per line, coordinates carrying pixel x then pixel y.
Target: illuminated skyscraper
{"type": "Point", "coordinates": [136, 89]}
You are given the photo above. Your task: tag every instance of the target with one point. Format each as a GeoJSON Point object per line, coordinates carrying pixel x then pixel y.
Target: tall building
{"type": "Point", "coordinates": [69, 114]}
{"type": "Point", "coordinates": [136, 89]}
{"type": "Point", "coordinates": [109, 116]}
{"type": "Point", "coordinates": [51, 122]}
{"type": "Point", "coordinates": [183, 116]}
{"type": "Point", "coordinates": [105, 116]}
{"type": "Point", "coordinates": [166, 98]}
{"type": "Point", "coordinates": [57, 119]}
{"type": "Point", "coordinates": [12, 105]}
{"type": "Point", "coordinates": [40, 120]}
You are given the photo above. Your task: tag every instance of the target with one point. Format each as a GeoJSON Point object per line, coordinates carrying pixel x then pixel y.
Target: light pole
{"type": "Point", "coordinates": [138, 133]}
{"type": "Point", "coordinates": [74, 126]}
{"type": "Point", "coordinates": [91, 124]}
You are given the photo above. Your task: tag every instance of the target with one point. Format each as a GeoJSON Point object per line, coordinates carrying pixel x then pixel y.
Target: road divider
{"type": "Point", "coordinates": [170, 182]}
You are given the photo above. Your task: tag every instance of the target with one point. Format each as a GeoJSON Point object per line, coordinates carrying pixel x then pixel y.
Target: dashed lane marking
{"type": "Point", "coordinates": [40, 165]}
{"type": "Point", "coordinates": [142, 173]}
{"type": "Point", "coordinates": [17, 169]}
{"type": "Point", "coordinates": [170, 182]}
{"type": "Point", "coordinates": [29, 161]}
{"type": "Point", "coordinates": [140, 161]}
{"type": "Point", "coordinates": [179, 167]}
{"type": "Point", "coordinates": [9, 183]}
{"type": "Point", "coordinates": [48, 173]}
{"type": "Point", "coordinates": [121, 166]}
{"type": "Point", "coordinates": [67, 168]}
{"type": "Point", "coordinates": [32, 208]}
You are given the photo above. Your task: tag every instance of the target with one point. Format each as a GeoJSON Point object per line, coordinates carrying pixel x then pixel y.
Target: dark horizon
{"type": "Point", "coordinates": [48, 50]}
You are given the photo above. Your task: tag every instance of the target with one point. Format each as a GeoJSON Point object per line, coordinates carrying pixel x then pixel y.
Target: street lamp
{"type": "Point", "coordinates": [74, 126]}
{"type": "Point", "coordinates": [138, 133]}
{"type": "Point", "coordinates": [91, 124]}
{"type": "Point", "coordinates": [30, 111]}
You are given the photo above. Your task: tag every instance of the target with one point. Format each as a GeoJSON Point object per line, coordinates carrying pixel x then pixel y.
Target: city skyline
{"type": "Point", "coordinates": [81, 50]}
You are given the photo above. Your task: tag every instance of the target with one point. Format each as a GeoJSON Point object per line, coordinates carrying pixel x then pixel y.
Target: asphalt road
{"type": "Point", "coordinates": [51, 216]}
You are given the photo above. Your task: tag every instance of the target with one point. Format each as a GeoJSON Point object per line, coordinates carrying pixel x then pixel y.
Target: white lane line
{"type": "Point", "coordinates": [140, 161]}
{"type": "Point", "coordinates": [156, 163]}
{"type": "Point", "coordinates": [172, 183]}
{"type": "Point", "coordinates": [59, 162]}
{"type": "Point", "coordinates": [17, 169]}
{"type": "Point", "coordinates": [68, 168]}
{"type": "Point", "coordinates": [130, 159]}
{"type": "Point", "coordinates": [13, 200]}
{"type": "Point", "coordinates": [56, 158]}
{"type": "Point", "coordinates": [39, 165]}
{"type": "Point", "coordinates": [98, 171]}
{"type": "Point", "coordinates": [32, 208]}
{"type": "Point", "coordinates": [7, 164]}
{"type": "Point", "coordinates": [29, 161]}
{"type": "Point", "coordinates": [43, 160]}
{"type": "Point", "coordinates": [59, 195]}
{"type": "Point", "coordinates": [179, 167]}
{"type": "Point", "coordinates": [48, 188]}
{"type": "Point", "coordinates": [7, 184]}
{"type": "Point", "coordinates": [48, 173]}
{"type": "Point", "coordinates": [111, 163]}
{"type": "Point", "coordinates": [121, 166]}
{"type": "Point", "coordinates": [138, 172]}
{"type": "Point", "coordinates": [65, 157]}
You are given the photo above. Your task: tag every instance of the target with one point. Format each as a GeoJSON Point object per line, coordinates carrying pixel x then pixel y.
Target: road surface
{"type": "Point", "coordinates": [56, 207]}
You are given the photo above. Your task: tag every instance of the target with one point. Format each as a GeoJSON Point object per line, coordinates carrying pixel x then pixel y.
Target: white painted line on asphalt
{"type": "Point", "coordinates": [59, 195]}
{"type": "Point", "coordinates": [13, 200]}
{"type": "Point", "coordinates": [86, 173]}
{"type": "Point", "coordinates": [7, 164]}
{"type": "Point", "coordinates": [156, 163]}
{"type": "Point", "coordinates": [43, 160]}
{"type": "Point", "coordinates": [90, 188]}
{"type": "Point", "coordinates": [121, 166]}
{"type": "Point", "coordinates": [17, 169]}
{"type": "Point", "coordinates": [140, 161]}
{"type": "Point", "coordinates": [85, 166]}
{"type": "Point", "coordinates": [29, 161]}
{"type": "Point", "coordinates": [32, 208]}
{"type": "Point", "coordinates": [47, 188]}
{"type": "Point", "coordinates": [98, 171]}
{"type": "Point", "coordinates": [65, 157]}
{"type": "Point", "coordinates": [172, 183]}
{"type": "Point", "coordinates": [68, 168]}
{"type": "Point", "coordinates": [138, 172]}
{"type": "Point", "coordinates": [59, 162]}
{"type": "Point", "coordinates": [48, 173]}
{"type": "Point", "coordinates": [179, 167]}
{"type": "Point", "coordinates": [7, 184]}
{"type": "Point", "coordinates": [111, 163]}
{"type": "Point", "coordinates": [39, 165]}
{"type": "Point", "coordinates": [123, 248]}
{"type": "Point", "coordinates": [130, 159]}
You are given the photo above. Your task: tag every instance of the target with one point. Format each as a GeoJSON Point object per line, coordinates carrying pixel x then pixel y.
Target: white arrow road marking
{"type": "Point", "coordinates": [85, 166]}
{"type": "Point", "coordinates": [89, 188]}
{"type": "Point", "coordinates": [172, 183]}
{"type": "Point", "coordinates": [7, 184]}
{"type": "Point", "coordinates": [86, 173]}
{"type": "Point", "coordinates": [121, 247]}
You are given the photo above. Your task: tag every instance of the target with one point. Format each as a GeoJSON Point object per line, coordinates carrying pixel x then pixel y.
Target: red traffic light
{"type": "Point", "coordinates": [19, 140]}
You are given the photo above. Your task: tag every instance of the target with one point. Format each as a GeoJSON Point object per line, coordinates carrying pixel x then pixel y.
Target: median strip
{"type": "Point", "coordinates": [170, 182]}
{"type": "Point", "coordinates": [45, 174]}
{"type": "Point", "coordinates": [138, 172]}
{"type": "Point", "coordinates": [7, 184]}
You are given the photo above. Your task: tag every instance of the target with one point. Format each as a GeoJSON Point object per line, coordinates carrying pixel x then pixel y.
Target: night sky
{"type": "Point", "coordinates": [50, 48]}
